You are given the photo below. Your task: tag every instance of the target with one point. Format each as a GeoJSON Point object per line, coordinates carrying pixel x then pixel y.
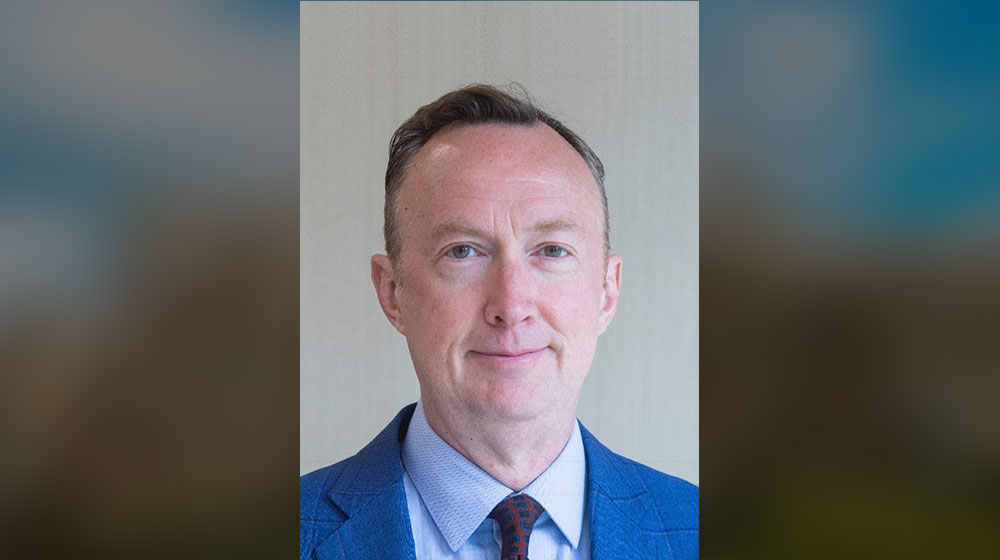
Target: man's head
{"type": "Point", "coordinates": [501, 281]}
{"type": "Point", "coordinates": [476, 104]}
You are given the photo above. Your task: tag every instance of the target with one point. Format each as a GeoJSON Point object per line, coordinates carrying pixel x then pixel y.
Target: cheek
{"type": "Point", "coordinates": [572, 308]}
{"type": "Point", "coordinates": [438, 314]}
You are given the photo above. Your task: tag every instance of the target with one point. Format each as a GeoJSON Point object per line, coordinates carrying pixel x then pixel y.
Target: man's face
{"type": "Point", "coordinates": [501, 288]}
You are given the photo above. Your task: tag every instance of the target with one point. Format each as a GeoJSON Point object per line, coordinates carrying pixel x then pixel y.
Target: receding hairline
{"type": "Point", "coordinates": [435, 142]}
{"type": "Point", "coordinates": [437, 138]}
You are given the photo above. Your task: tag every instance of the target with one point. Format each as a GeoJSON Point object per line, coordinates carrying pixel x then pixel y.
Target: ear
{"type": "Point", "coordinates": [612, 287]}
{"type": "Point", "coordinates": [384, 279]}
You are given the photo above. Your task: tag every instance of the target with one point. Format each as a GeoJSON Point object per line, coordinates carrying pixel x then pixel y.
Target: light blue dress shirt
{"type": "Point", "coordinates": [449, 499]}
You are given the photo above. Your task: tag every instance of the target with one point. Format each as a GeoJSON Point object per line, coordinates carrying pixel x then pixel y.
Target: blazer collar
{"type": "Point", "coordinates": [623, 517]}
{"type": "Point", "coordinates": [370, 492]}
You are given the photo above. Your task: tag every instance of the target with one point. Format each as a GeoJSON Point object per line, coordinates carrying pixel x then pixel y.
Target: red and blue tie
{"type": "Point", "coordinates": [516, 515]}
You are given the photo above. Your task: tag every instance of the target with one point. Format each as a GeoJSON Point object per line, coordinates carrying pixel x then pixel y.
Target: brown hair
{"type": "Point", "coordinates": [474, 104]}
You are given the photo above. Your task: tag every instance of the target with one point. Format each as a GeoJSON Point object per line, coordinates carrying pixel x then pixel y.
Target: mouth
{"type": "Point", "coordinates": [509, 354]}
{"type": "Point", "coordinates": [509, 358]}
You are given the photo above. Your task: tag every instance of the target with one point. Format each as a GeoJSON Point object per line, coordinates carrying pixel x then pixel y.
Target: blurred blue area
{"type": "Point", "coordinates": [109, 109]}
{"type": "Point", "coordinates": [98, 91]}
{"type": "Point", "coordinates": [876, 121]}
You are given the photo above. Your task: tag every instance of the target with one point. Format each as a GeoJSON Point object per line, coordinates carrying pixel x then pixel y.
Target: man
{"type": "Point", "coordinates": [498, 274]}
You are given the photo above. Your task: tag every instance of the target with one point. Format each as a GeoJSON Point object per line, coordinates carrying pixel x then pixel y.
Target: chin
{"type": "Point", "coordinates": [512, 408]}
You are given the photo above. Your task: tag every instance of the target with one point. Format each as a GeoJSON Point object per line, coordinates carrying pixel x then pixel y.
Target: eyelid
{"type": "Point", "coordinates": [541, 249]}
{"type": "Point", "coordinates": [447, 250]}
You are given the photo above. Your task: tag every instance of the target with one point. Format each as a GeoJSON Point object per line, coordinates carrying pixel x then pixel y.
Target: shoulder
{"type": "Point", "coordinates": [659, 503]}
{"type": "Point", "coordinates": [319, 517]}
{"type": "Point", "coordinates": [375, 466]}
{"type": "Point", "coordinates": [314, 505]}
{"type": "Point", "coordinates": [674, 505]}
{"type": "Point", "coordinates": [676, 499]}
{"type": "Point", "coordinates": [348, 484]}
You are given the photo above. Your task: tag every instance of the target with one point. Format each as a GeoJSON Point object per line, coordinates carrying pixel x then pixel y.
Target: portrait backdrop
{"type": "Point", "coordinates": [624, 76]}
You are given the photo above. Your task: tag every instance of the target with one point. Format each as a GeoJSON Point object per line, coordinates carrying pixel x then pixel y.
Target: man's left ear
{"type": "Point", "coordinates": [612, 287]}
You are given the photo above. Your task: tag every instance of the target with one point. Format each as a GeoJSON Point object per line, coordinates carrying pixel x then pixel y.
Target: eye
{"type": "Point", "coordinates": [553, 251]}
{"type": "Point", "coordinates": [461, 252]}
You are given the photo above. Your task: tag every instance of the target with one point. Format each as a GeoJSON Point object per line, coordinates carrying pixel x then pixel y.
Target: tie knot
{"type": "Point", "coordinates": [516, 516]}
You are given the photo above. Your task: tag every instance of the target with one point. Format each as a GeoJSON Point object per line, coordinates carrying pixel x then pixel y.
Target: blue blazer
{"type": "Point", "coordinates": [356, 509]}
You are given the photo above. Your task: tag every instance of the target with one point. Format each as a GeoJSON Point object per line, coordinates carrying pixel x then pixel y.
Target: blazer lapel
{"type": "Point", "coordinates": [371, 495]}
{"type": "Point", "coordinates": [622, 516]}
{"type": "Point", "coordinates": [379, 528]}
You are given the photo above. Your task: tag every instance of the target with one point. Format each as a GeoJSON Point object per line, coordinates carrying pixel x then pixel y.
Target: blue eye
{"type": "Point", "coordinates": [461, 252]}
{"type": "Point", "coordinates": [554, 251]}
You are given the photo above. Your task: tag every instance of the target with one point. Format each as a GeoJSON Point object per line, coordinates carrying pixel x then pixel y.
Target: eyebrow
{"type": "Point", "coordinates": [449, 227]}
{"type": "Point", "coordinates": [551, 226]}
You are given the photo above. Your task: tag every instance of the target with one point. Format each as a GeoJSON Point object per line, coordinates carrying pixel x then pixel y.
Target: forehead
{"type": "Point", "coordinates": [525, 167]}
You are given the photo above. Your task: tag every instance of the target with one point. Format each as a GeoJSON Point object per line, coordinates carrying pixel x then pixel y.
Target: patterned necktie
{"type": "Point", "coordinates": [516, 515]}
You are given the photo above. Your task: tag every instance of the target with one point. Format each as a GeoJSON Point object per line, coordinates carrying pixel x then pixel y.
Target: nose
{"type": "Point", "coordinates": [510, 297]}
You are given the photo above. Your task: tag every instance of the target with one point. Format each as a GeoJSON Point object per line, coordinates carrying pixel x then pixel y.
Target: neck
{"type": "Point", "coordinates": [515, 453]}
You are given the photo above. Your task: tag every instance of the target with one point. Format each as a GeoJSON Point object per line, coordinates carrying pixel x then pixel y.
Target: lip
{"type": "Point", "coordinates": [506, 358]}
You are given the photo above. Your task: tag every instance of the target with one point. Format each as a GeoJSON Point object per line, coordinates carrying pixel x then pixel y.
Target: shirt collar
{"type": "Point", "coordinates": [459, 495]}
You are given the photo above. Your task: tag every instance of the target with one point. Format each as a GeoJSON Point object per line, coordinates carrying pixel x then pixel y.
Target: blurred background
{"type": "Point", "coordinates": [148, 279]}
{"type": "Point", "coordinates": [850, 268]}
{"type": "Point", "coordinates": [850, 281]}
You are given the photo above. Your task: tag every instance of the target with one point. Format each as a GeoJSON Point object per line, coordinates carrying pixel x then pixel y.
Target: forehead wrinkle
{"type": "Point", "coordinates": [467, 190]}
{"type": "Point", "coordinates": [454, 226]}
